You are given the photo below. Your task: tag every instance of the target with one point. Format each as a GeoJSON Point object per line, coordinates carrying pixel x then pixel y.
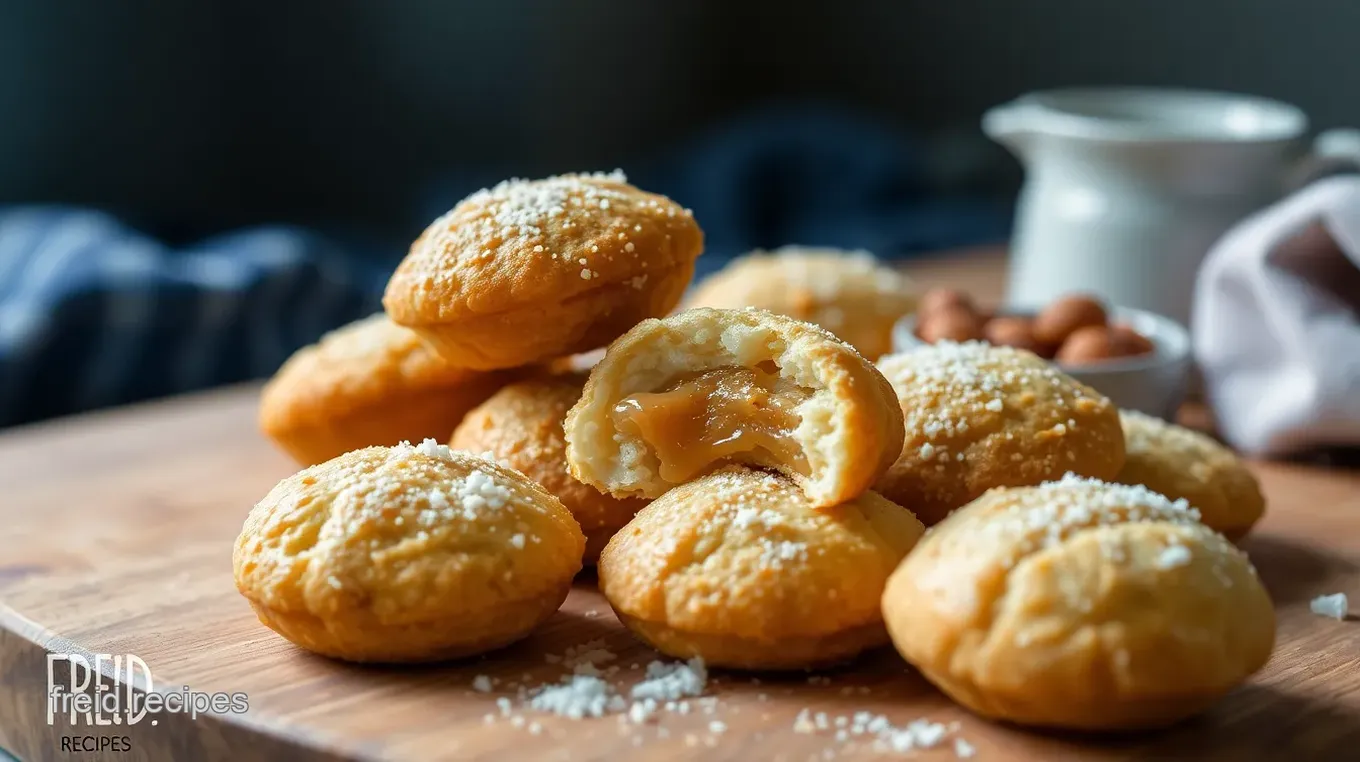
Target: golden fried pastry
{"type": "Point", "coordinates": [1181, 463]}
{"type": "Point", "coordinates": [979, 416]}
{"type": "Point", "coordinates": [521, 426]}
{"type": "Point", "coordinates": [1080, 604]}
{"type": "Point", "coordinates": [529, 271]}
{"type": "Point", "coordinates": [675, 398]}
{"type": "Point", "coordinates": [405, 554]}
{"type": "Point", "coordinates": [846, 292]}
{"type": "Point", "coordinates": [371, 382]}
{"type": "Point", "coordinates": [739, 568]}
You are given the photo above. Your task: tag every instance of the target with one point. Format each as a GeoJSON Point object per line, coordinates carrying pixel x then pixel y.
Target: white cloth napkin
{"type": "Point", "coordinates": [1276, 323]}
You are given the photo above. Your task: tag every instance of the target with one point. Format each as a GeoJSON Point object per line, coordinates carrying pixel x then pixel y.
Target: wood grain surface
{"type": "Point", "coordinates": [117, 531]}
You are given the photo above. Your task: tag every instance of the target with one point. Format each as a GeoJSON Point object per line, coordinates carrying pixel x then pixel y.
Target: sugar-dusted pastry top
{"type": "Point", "coordinates": [527, 241]}
{"type": "Point", "coordinates": [404, 535]}
{"type": "Point", "coordinates": [1080, 603]}
{"type": "Point", "coordinates": [742, 552]}
{"type": "Point", "coordinates": [979, 416]}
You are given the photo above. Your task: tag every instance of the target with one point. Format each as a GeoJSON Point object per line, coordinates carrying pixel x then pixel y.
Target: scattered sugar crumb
{"type": "Point", "coordinates": [641, 711]}
{"type": "Point", "coordinates": [431, 448]}
{"type": "Point", "coordinates": [579, 696]}
{"type": "Point", "coordinates": [517, 540]}
{"type": "Point", "coordinates": [1334, 606]}
{"type": "Point", "coordinates": [717, 727]}
{"type": "Point", "coordinates": [881, 733]}
{"type": "Point", "coordinates": [671, 681]}
{"type": "Point", "coordinates": [481, 684]}
{"type": "Point", "coordinates": [1173, 556]}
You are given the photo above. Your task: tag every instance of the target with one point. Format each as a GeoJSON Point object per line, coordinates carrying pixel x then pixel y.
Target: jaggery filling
{"type": "Point", "coordinates": [716, 415]}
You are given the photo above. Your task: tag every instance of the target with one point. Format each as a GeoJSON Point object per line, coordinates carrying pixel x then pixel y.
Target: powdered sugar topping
{"type": "Point", "coordinates": [947, 388]}
{"type": "Point", "coordinates": [1173, 556]}
{"type": "Point", "coordinates": [430, 448]}
{"type": "Point", "coordinates": [520, 207]}
{"type": "Point", "coordinates": [1048, 514]}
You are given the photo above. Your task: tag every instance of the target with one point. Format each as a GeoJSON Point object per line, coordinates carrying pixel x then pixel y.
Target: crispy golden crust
{"type": "Point", "coordinates": [532, 270]}
{"type": "Point", "coordinates": [850, 425]}
{"type": "Point", "coordinates": [399, 554]}
{"type": "Point", "coordinates": [979, 416]}
{"type": "Point", "coordinates": [1181, 463]}
{"type": "Point", "coordinates": [1079, 604]}
{"type": "Point", "coordinates": [848, 293]}
{"type": "Point", "coordinates": [521, 426]}
{"type": "Point", "coordinates": [737, 567]}
{"type": "Point", "coordinates": [371, 382]}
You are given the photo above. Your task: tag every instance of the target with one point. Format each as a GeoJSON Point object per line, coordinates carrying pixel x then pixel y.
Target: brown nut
{"type": "Point", "coordinates": [1011, 331]}
{"type": "Point", "coordinates": [1091, 344]}
{"type": "Point", "coordinates": [943, 299]}
{"type": "Point", "coordinates": [954, 324]}
{"type": "Point", "coordinates": [1060, 319]}
{"type": "Point", "coordinates": [1130, 342]}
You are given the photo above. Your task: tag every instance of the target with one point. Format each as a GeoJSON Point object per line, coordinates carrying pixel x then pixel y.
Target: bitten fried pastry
{"type": "Point", "coordinates": [1080, 604]}
{"type": "Point", "coordinates": [521, 426]}
{"type": "Point", "coordinates": [406, 554]}
{"type": "Point", "coordinates": [674, 398]}
{"type": "Point", "coordinates": [738, 568]}
{"type": "Point", "coordinates": [371, 382]}
{"type": "Point", "coordinates": [846, 292]}
{"type": "Point", "coordinates": [529, 271]}
{"type": "Point", "coordinates": [979, 416]}
{"type": "Point", "coordinates": [1181, 463]}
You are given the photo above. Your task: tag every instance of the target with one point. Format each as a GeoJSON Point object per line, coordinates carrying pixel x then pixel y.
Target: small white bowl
{"type": "Point", "coordinates": [1154, 383]}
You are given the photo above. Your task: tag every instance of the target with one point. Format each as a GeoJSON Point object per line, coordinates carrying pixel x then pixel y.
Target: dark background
{"type": "Point", "coordinates": [187, 118]}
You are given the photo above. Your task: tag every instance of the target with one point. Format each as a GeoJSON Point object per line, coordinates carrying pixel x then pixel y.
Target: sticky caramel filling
{"type": "Point", "coordinates": [716, 415]}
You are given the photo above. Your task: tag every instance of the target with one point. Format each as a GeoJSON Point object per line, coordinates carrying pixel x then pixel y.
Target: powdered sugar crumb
{"type": "Point", "coordinates": [1334, 606]}
{"type": "Point", "coordinates": [666, 687]}
{"type": "Point", "coordinates": [430, 448]}
{"type": "Point", "coordinates": [886, 737]}
{"type": "Point", "coordinates": [670, 681]}
{"type": "Point", "coordinates": [579, 696]}
{"type": "Point", "coordinates": [1173, 556]}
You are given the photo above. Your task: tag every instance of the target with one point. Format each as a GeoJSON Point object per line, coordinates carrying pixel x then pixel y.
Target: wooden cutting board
{"type": "Point", "coordinates": [116, 533]}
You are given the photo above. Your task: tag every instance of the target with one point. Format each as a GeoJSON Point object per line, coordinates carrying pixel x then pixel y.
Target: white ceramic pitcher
{"type": "Point", "coordinates": [1126, 189]}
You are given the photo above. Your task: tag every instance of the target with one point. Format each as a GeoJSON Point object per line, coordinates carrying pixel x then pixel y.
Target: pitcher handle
{"type": "Point", "coordinates": [1333, 151]}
